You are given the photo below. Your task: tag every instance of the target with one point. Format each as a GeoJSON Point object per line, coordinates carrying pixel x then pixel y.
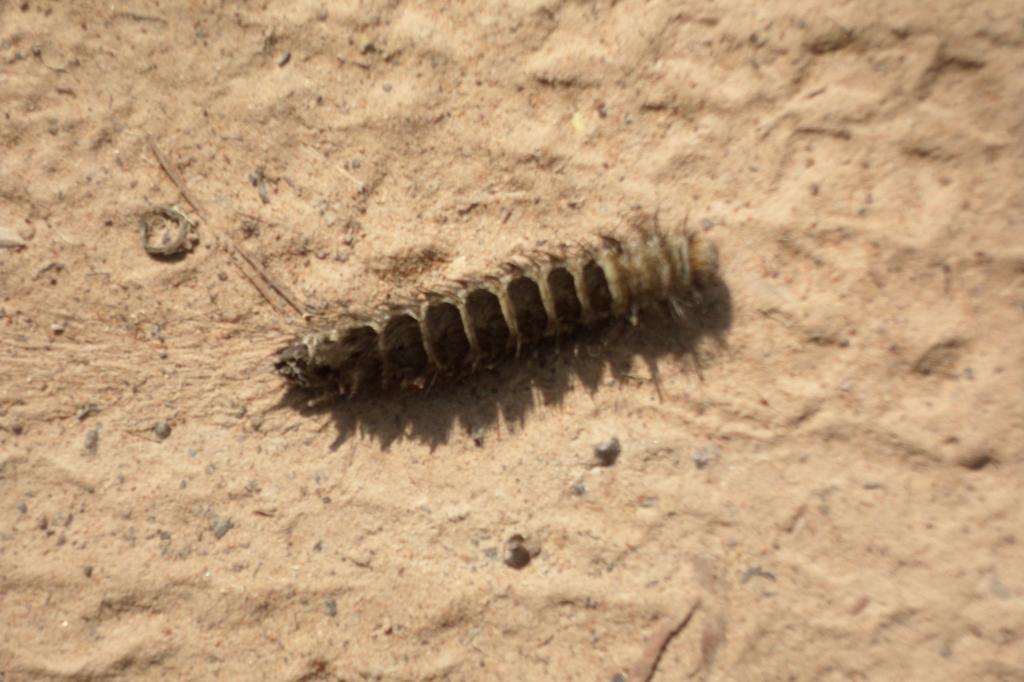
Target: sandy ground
{"type": "Point", "coordinates": [834, 495]}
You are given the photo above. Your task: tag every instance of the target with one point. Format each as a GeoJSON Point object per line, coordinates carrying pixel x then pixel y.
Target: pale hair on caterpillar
{"type": "Point", "coordinates": [476, 322]}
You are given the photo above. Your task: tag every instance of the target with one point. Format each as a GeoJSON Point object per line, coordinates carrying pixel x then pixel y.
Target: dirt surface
{"type": "Point", "coordinates": [830, 482]}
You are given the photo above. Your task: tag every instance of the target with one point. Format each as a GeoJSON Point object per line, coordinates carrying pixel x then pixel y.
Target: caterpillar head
{"type": "Point", "coordinates": [293, 364]}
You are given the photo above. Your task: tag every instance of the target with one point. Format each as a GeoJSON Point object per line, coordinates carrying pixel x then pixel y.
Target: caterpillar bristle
{"type": "Point", "coordinates": [611, 242]}
{"type": "Point", "coordinates": [456, 329]}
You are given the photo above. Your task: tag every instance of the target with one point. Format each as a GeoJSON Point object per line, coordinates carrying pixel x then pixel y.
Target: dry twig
{"type": "Point", "coordinates": [667, 628]}
{"type": "Point", "coordinates": [264, 283]}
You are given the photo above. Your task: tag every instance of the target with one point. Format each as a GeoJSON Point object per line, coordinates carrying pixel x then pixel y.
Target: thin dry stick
{"type": "Point", "coordinates": [278, 288]}
{"type": "Point", "coordinates": [261, 287]}
{"type": "Point", "coordinates": [176, 178]}
{"type": "Point", "coordinates": [265, 284]}
{"type": "Point", "coordinates": [667, 628]}
{"type": "Point", "coordinates": [360, 185]}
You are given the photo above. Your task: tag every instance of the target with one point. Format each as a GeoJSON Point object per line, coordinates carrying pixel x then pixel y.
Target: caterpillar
{"type": "Point", "coordinates": [474, 323]}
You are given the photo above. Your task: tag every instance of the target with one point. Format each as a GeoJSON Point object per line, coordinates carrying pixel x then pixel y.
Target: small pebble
{"type": "Point", "coordinates": [22, 507]}
{"type": "Point", "coordinates": [87, 410]}
{"type": "Point", "coordinates": [703, 456]}
{"type": "Point", "coordinates": [88, 571]}
{"type": "Point", "coordinates": [756, 572]}
{"type": "Point", "coordinates": [221, 525]}
{"type": "Point", "coordinates": [331, 607]}
{"type": "Point", "coordinates": [519, 551]}
{"type": "Point", "coordinates": [57, 328]}
{"type": "Point", "coordinates": [162, 429]}
{"type": "Point", "coordinates": [10, 239]}
{"type": "Point", "coordinates": [607, 451]}
{"type": "Point", "coordinates": [387, 87]}
{"type": "Point", "coordinates": [259, 182]}
{"type": "Point", "coordinates": [976, 460]}
{"type": "Point", "coordinates": [578, 488]}
{"type": "Point", "coordinates": [285, 57]}
{"type": "Point", "coordinates": [92, 441]}
{"type": "Point", "coordinates": [478, 437]}
{"type": "Point", "coordinates": [998, 589]}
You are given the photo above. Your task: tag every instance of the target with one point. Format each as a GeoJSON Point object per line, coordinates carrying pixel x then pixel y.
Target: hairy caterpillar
{"type": "Point", "coordinates": [476, 322]}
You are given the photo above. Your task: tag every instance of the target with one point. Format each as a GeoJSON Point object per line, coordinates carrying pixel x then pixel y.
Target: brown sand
{"type": "Point", "coordinates": [857, 510]}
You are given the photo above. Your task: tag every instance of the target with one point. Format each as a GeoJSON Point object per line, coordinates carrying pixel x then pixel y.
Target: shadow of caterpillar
{"type": "Point", "coordinates": [476, 323]}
